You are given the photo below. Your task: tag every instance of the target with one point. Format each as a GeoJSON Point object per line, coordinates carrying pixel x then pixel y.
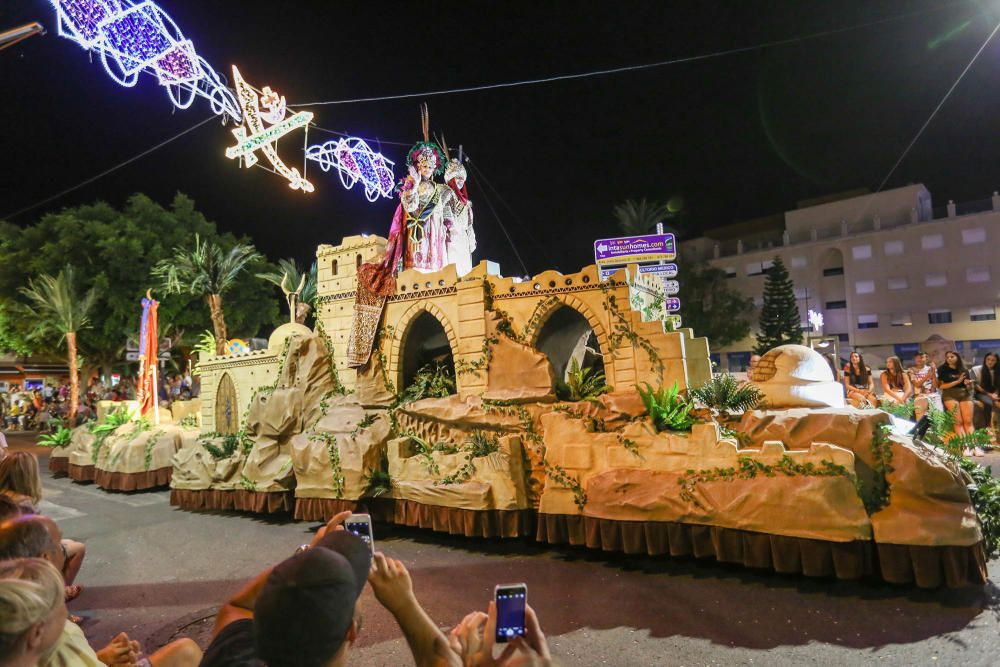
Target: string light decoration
{"type": "Point", "coordinates": [355, 161]}
{"type": "Point", "coordinates": [253, 136]}
{"type": "Point", "coordinates": [135, 38]}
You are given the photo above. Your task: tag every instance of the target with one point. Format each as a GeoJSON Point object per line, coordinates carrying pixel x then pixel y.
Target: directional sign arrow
{"type": "Point", "coordinates": [672, 304]}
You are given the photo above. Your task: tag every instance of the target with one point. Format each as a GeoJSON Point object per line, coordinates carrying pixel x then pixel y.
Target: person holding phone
{"type": "Point", "coordinates": [956, 392]}
{"type": "Point", "coordinates": [303, 611]}
{"type": "Point", "coordinates": [475, 637]}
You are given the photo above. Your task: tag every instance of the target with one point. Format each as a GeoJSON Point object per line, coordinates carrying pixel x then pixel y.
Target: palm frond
{"type": "Point", "coordinates": [724, 393]}
{"type": "Point", "coordinates": [639, 217]}
{"type": "Point", "coordinates": [205, 269]}
{"type": "Point", "coordinates": [56, 302]}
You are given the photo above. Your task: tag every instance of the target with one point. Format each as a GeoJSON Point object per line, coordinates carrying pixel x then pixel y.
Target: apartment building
{"type": "Point", "coordinates": [889, 272]}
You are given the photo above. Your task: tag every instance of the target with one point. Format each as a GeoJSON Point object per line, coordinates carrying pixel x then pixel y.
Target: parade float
{"type": "Point", "coordinates": [563, 407]}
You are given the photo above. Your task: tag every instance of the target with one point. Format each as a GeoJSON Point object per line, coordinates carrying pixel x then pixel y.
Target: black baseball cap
{"type": "Point", "coordinates": [302, 614]}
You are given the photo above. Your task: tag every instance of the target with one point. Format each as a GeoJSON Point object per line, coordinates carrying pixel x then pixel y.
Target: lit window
{"type": "Point", "coordinates": [801, 292]}
{"type": "Point", "coordinates": [754, 269]}
{"type": "Point", "coordinates": [836, 305]}
{"type": "Point", "coordinates": [862, 251]}
{"type": "Point", "coordinates": [901, 320]}
{"type": "Point", "coordinates": [898, 283]}
{"type": "Point", "coordinates": [730, 271]}
{"type": "Point", "coordinates": [977, 274]}
{"type": "Point", "coordinates": [868, 321]}
{"type": "Point", "coordinates": [983, 314]}
{"type": "Point", "coordinates": [842, 337]}
{"type": "Point", "coordinates": [935, 280]}
{"type": "Point", "coordinates": [939, 316]}
{"type": "Point", "coordinates": [799, 262]}
{"type": "Point", "coordinates": [973, 235]}
{"type": "Point", "coordinates": [931, 241]}
{"type": "Point", "coordinates": [893, 248]}
{"type": "Point", "coordinates": [864, 286]}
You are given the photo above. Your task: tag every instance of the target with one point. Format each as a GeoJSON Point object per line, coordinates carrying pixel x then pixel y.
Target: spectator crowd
{"type": "Point", "coordinates": [302, 612]}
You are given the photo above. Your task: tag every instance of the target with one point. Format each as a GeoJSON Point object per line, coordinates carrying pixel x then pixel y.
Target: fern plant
{"type": "Point", "coordinates": [581, 384]}
{"type": "Point", "coordinates": [60, 438]}
{"type": "Point", "coordinates": [724, 394]}
{"type": "Point", "coordinates": [377, 483]}
{"type": "Point", "coordinates": [667, 407]}
{"type": "Point", "coordinates": [985, 494]}
{"type": "Point", "coordinates": [901, 410]}
{"type": "Point", "coordinates": [431, 381]}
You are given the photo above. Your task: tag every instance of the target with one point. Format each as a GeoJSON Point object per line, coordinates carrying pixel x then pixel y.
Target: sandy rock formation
{"type": "Point", "coordinates": [797, 376]}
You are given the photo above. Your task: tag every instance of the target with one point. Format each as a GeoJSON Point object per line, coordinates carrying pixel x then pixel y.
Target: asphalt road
{"type": "Point", "coordinates": [157, 572]}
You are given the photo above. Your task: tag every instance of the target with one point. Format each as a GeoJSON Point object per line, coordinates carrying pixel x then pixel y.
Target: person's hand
{"type": "Point", "coordinates": [471, 642]}
{"type": "Point", "coordinates": [414, 175]}
{"type": "Point", "coordinates": [120, 652]}
{"type": "Point", "coordinates": [531, 650]}
{"type": "Point", "coordinates": [391, 583]}
{"type": "Point", "coordinates": [336, 523]}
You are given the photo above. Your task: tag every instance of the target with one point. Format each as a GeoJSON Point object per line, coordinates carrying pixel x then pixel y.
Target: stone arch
{"type": "Point", "coordinates": [552, 306]}
{"type": "Point", "coordinates": [227, 406]}
{"type": "Point", "coordinates": [404, 326]}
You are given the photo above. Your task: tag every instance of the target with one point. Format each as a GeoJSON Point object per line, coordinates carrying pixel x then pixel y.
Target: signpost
{"type": "Point", "coordinates": [654, 254]}
{"type": "Point", "coordinates": [634, 249]}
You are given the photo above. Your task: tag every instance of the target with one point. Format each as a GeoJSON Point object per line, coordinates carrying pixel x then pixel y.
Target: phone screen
{"type": "Point", "coordinates": [511, 601]}
{"type": "Point", "coordinates": [362, 528]}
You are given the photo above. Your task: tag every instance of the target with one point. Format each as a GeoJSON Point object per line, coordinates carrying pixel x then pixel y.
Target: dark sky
{"type": "Point", "coordinates": [737, 136]}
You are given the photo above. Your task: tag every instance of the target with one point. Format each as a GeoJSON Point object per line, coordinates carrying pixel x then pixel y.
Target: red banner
{"type": "Point", "coordinates": [148, 350]}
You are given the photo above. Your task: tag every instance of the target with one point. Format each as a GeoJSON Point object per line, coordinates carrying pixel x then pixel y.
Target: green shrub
{"type": "Point", "coordinates": [901, 410]}
{"type": "Point", "coordinates": [667, 408]}
{"type": "Point", "coordinates": [725, 394]}
{"type": "Point", "coordinates": [985, 494]}
{"type": "Point", "coordinates": [431, 381]}
{"type": "Point", "coordinates": [581, 384]}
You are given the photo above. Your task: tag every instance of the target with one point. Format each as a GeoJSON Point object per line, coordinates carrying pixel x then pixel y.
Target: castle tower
{"type": "Point", "coordinates": [336, 286]}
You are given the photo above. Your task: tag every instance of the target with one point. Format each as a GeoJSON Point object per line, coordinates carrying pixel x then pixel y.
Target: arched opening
{"type": "Point", "coordinates": [334, 267]}
{"type": "Point", "coordinates": [425, 349]}
{"type": "Point", "coordinates": [567, 335]}
{"type": "Point", "coordinates": [357, 262]}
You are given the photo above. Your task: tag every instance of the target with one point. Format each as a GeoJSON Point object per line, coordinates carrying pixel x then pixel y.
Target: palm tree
{"type": "Point", "coordinates": [58, 307]}
{"type": "Point", "coordinates": [209, 271]}
{"type": "Point", "coordinates": [639, 217]}
{"type": "Point", "coordinates": [288, 277]}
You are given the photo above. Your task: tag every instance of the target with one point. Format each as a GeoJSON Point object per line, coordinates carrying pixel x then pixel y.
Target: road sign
{"type": "Point", "coordinates": [132, 356]}
{"type": "Point", "coordinates": [673, 321]}
{"type": "Point", "coordinates": [672, 304]}
{"type": "Point", "coordinates": [662, 270]}
{"type": "Point", "coordinates": [627, 249]}
{"type": "Point", "coordinates": [671, 287]}
{"type": "Point", "coordinates": [607, 273]}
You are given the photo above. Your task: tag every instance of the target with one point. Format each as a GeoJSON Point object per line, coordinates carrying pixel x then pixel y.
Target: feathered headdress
{"type": "Point", "coordinates": [426, 149]}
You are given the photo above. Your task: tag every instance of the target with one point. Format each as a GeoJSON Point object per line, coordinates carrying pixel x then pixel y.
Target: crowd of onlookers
{"type": "Point", "coordinates": [971, 394]}
{"type": "Point", "coordinates": [47, 407]}
{"type": "Point", "coordinates": [302, 611]}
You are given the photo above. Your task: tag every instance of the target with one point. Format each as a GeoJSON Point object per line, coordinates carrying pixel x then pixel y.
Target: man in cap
{"type": "Point", "coordinates": [302, 612]}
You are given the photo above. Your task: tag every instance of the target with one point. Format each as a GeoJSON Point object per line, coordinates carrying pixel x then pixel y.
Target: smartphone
{"type": "Point", "coordinates": [511, 600]}
{"type": "Point", "coordinates": [361, 525]}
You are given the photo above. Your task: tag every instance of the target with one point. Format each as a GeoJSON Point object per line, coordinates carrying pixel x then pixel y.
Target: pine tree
{"type": "Point", "coordinates": [779, 316]}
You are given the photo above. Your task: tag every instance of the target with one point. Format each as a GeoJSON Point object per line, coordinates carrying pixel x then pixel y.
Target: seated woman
{"type": "Point", "coordinates": [858, 382]}
{"type": "Point", "coordinates": [956, 392]}
{"type": "Point", "coordinates": [988, 389]}
{"type": "Point", "coordinates": [896, 387]}
{"type": "Point", "coordinates": [32, 610]}
{"type": "Point", "coordinates": [20, 481]}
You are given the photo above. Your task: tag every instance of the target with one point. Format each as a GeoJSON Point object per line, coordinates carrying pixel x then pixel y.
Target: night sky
{"type": "Point", "coordinates": [736, 137]}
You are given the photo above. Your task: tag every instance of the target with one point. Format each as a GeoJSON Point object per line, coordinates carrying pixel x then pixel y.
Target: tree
{"type": "Point", "coordinates": [779, 316]}
{"type": "Point", "coordinates": [639, 217]}
{"type": "Point", "coordinates": [113, 250]}
{"type": "Point", "coordinates": [289, 276]}
{"type": "Point", "coordinates": [56, 305]}
{"type": "Point", "coordinates": [208, 270]}
{"type": "Point", "coordinates": [710, 307]}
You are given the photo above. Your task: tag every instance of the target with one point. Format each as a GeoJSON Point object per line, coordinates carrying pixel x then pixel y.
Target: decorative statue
{"type": "Point", "coordinates": [432, 226]}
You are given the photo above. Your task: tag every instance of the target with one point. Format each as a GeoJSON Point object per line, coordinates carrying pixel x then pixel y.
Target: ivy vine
{"type": "Point", "coordinates": [875, 495]}
{"type": "Point", "coordinates": [749, 468]}
{"type": "Point", "coordinates": [330, 440]}
{"type": "Point", "coordinates": [621, 331]}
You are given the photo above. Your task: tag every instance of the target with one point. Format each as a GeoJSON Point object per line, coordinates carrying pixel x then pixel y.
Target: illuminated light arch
{"type": "Point", "coordinates": [355, 162]}
{"type": "Point", "coordinates": [134, 38]}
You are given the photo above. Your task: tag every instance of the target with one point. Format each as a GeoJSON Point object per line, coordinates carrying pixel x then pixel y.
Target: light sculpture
{"type": "Point", "coordinates": [355, 161]}
{"type": "Point", "coordinates": [253, 135]}
{"type": "Point", "coordinates": [133, 38]}
{"type": "Point", "coordinates": [816, 320]}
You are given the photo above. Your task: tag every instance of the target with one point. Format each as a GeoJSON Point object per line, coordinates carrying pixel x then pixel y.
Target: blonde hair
{"type": "Point", "coordinates": [19, 473]}
{"type": "Point", "coordinates": [30, 589]}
